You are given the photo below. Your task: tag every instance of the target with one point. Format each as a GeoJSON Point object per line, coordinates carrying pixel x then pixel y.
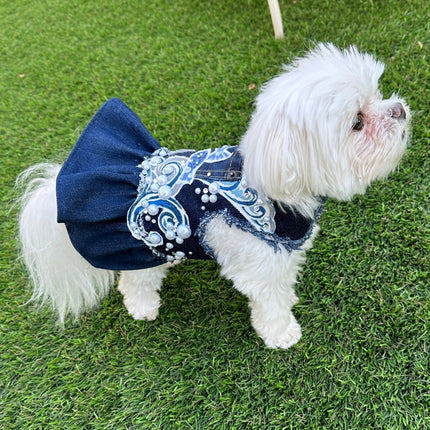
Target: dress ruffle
{"type": "Point", "coordinates": [97, 185]}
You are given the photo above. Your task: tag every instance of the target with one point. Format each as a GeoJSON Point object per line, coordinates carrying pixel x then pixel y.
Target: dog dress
{"type": "Point", "coordinates": [128, 203]}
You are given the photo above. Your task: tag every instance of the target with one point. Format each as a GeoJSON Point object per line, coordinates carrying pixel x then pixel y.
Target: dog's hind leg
{"type": "Point", "coordinates": [140, 289]}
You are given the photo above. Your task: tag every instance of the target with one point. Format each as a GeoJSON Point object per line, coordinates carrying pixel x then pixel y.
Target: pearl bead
{"type": "Point", "coordinates": [162, 180]}
{"type": "Point", "coordinates": [213, 188]}
{"type": "Point", "coordinates": [179, 255]}
{"type": "Point", "coordinates": [164, 192]}
{"type": "Point", "coordinates": [170, 235]}
{"type": "Point", "coordinates": [155, 238]}
{"type": "Point", "coordinates": [153, 209]}
{"type": "Point", "coordinates": [205, 198]}
{"type": "Point", "coordinates": [183, 231]}
{"type": "Point", "coordinates": [213, 198]}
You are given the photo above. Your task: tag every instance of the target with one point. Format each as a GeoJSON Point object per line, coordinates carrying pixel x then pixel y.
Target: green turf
{"type": "Point", "coordinates": [185, 67]}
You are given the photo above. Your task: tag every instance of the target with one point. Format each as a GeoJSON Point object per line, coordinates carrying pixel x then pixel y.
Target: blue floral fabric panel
{"type": "Point", "coordinates": [181, 191]}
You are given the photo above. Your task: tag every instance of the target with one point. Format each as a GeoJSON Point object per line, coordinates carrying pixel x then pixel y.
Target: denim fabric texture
{"type": "Point", "coordinates": [129, 204]}
{"type": "Point", "coordinates": [180, 192]}
{"type": "Point", "coordinates": [98, 183]}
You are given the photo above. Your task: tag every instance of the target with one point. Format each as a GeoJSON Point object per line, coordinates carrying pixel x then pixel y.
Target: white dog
{"type": "Point", "coordinates": [121, 202]}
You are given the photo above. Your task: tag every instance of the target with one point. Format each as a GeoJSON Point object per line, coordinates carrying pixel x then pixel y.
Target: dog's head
{"type": "Point", "coordinates": [322, 128]}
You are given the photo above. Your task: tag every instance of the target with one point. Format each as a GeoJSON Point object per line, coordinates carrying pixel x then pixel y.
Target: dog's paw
{"type": "Point", "coordinates": [279, 333]}
{"type": "Point", "coordinates": [288, 338]}
{"type": "Point", "coordinates": [143, 310]}
{"type": "Point", "coordinates": [143, 314]}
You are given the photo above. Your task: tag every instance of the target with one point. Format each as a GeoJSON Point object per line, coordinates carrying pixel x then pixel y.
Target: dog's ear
{"type": "Point", "coordinates": [273, 149]}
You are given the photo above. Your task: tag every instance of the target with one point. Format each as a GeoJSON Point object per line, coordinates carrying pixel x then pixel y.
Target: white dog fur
{"type": "Point", "coordinates": [321, 128]}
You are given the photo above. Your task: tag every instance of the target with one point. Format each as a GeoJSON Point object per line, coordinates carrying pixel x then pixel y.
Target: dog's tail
{"type": "Point", "coordinates": [58, 272]}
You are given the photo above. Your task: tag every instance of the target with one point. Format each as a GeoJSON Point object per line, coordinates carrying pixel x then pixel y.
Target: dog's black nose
{"type": "Point", "coordinates": [398, 111]}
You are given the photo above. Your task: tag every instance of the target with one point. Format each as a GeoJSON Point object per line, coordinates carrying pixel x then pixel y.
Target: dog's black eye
{"type": "Point", "coordinates": [358, 122]}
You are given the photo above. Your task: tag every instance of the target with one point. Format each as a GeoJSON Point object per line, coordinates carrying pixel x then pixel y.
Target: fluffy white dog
{"type": "Point", "coordinates": [121, 202]}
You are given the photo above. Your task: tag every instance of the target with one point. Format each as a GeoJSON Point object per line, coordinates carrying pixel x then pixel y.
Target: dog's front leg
{"type": "Point", "coordinates": [140, 290]}
{"type": "Point", "coordinates": [266, 277]}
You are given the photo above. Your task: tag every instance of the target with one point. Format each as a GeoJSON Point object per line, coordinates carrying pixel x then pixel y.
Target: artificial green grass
{"type": "Point", "coordinates": [185, 67]}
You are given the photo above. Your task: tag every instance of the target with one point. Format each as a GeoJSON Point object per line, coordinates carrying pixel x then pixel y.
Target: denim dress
{"type": "Point", "coordinates": [128, 203]}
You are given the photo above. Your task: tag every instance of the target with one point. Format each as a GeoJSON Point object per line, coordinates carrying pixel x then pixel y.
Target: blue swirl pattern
{"type": "Point", "coordinates": [160, 220]}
